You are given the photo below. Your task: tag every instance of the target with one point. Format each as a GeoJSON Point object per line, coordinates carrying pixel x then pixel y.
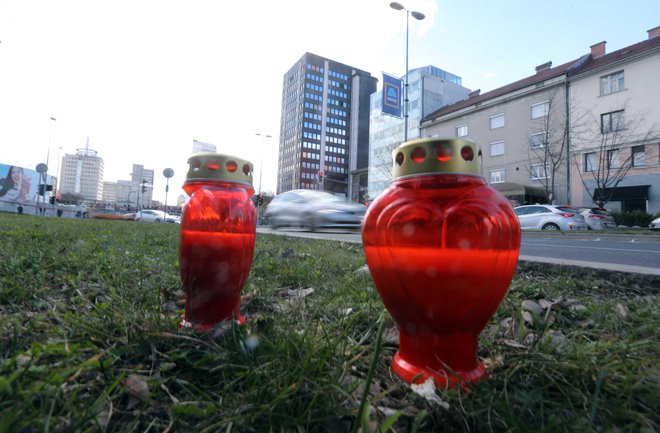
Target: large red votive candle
{"type": "Point", "coordinates": [442, 247]}
{"type": "Point", "coordinates": [218, 228]}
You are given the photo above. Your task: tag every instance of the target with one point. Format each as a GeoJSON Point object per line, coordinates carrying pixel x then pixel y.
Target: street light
{"type": "Point", "coordinates": [418, 16]}
{"type": "Point", "coordinates": [261, 159]}
{"type": "Point", "coordinates": [57, 173]}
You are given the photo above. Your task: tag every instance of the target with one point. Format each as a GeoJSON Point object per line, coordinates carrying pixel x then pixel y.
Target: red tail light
{"type": "Point", "coordinates": [567, 215]}
{"type": "Point", "coordinates": [596, 217]}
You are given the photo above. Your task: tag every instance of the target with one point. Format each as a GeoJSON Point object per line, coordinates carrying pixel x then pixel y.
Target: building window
{"type": "Point", "coordinates": [638, 156]}
{"type": "Point", "coordinates": [613, 121]}
{"type": "Point", "coordinates": [539, 172]}
{"type": "Point", "coordinates": [613, 159]}
{"type": "Point", "coordinates": [497, 121]}
{"type": "Point", "coordinates": [498, 176]}
{"type": "Point", "coordinates": [497, 148]}
{"type": "Point", "coordinates": [461, 131]}
{"type": "Point", "coordinates": [539, 140]}
{"type": "Point", "coordinates": [611, 83]}
{"type": "Point", "coordinates": [541, 109]}
{"type": "Point", "coordinates": [590, 161]}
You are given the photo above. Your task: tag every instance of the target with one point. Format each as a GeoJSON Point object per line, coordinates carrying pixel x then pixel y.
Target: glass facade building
{"type": "Point", "coordinates": [429, 88]}
{"type": "Point", "coordinates": [324, 128]}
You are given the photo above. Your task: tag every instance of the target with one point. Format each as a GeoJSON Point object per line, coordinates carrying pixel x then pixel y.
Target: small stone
{"type": "Point", "coordinates": [622, 311]}
{"type": "Point", "coordinates": [533, 307]}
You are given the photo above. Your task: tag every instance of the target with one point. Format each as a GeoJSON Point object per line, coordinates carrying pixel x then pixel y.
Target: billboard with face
{"type": "Point", "coordinates": [19, 188]}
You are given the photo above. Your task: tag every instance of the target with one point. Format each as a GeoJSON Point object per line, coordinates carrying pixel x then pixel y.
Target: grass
{"type": "Point", "coordinates": [89, 343]}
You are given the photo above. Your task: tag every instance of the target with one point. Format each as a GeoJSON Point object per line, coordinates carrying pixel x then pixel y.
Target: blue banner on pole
{"type": "Point", "coordinates": [391, 95]}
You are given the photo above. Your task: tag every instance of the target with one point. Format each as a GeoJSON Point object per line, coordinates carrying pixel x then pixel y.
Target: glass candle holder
{"type": "Point", "coordinates": [441, 246]}
{"type": "Point", "coordinates": [218, 227]}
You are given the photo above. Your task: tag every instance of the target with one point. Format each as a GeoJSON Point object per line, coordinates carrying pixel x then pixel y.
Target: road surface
{"type": "Point", "coordinates": [616, 252]}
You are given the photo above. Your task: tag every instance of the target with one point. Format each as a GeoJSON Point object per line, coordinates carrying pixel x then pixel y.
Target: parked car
{"type": "Point", "coordinates": [549, 217]}
{"type": "Point", "coordinates": [314, 210]}
{"type": "Point", "coordinates": [156, 216]}
{"type": "Point", "coordinates": [597, 218]}
{"type": "Point", "coordinates": [655, 224]}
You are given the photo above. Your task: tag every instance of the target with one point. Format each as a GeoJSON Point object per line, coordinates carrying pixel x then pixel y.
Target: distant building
{"type": "Point", "coordinates": [145, 178]}
{"type": "Point", "coordinates": [109, 192]}
{"type": "Point", "coordinates": [324, 129]}
{"type": "Point", "coordinates": [200, 146]}
{"type": "Point", "coordinates": [82, 173]}
{"type": "Point", "coordinates": [429, 88]}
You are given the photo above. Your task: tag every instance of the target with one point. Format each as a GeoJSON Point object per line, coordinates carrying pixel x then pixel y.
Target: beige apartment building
{"type": "Point", "coordinates": [534, 133]}
{"type": "Point", "coordinates": [615, 118]}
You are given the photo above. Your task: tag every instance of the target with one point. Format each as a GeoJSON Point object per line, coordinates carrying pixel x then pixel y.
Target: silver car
{"type": "Point", "coordinates": [313, 210]}
{"type": "Point", "coordinates": [597, 218]}
{"type": "Point", "coordinates": [549, 217]}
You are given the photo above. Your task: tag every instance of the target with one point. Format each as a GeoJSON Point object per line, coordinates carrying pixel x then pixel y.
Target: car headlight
{"type": "Point", "coordinates": [328, 211]}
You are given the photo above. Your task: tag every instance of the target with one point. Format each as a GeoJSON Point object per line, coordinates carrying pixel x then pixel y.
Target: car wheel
{"type": "Point", "coordinates": [273, 223]}
{"type": "Point", "coordinates": [550, 226]}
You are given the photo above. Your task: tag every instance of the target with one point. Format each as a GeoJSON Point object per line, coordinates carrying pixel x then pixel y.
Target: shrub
{"type": "Point", "coordinates": [634, 218]}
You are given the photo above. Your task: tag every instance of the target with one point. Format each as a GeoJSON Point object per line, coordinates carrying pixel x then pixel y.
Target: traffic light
{"type": "Point", "coordinates": [42, 189]}
{"type": "Point", "coordinates": [51, 199]}
{"type": "Point", "coordinates": [320, 176]}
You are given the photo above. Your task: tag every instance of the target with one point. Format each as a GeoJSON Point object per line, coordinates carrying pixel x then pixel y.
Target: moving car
{"type": "Point", "coordinates": [597, 218]}
{"type": "Point", "coordinates": [314, 210]}
{"type": "Point", "coordinates": [655, 224]}
{"type": "Point", "coordinates": [156, 216]}
{"type": "Point", "coordinates": [549, 217]}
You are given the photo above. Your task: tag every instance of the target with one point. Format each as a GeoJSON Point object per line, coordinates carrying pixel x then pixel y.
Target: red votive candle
{"type": "Point", "coordinates": [218, 228]}
{"type": "Point", "coordinates": [442, 247]}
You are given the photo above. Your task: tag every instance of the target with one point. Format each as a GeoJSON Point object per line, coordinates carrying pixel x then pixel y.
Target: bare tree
{"type": "Point", "coordinates": [548, 143]}
{"type": "Point", "coordinates": [609, 153]}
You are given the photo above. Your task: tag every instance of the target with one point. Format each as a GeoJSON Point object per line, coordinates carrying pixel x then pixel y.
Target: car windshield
{"type": "Point", "coordinates": [320, 196]}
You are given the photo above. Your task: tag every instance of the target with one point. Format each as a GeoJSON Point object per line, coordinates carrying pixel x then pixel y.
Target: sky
{"type": "Point", "coordinates": [141, 79]}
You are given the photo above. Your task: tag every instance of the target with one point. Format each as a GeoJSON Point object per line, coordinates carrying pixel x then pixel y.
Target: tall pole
{"type": "Point", "coordinates": [261, 170]}
{"type": "Point", "coordinates": [405, 88]}
{"type": "Point", "coordinates": [418, 16]}
{"type": "Point", "coordinates": [261, 158]}
{"type": "Point", "coordinates": [45, 174]}
{"type": "Point", "coordinates": [57, 172]}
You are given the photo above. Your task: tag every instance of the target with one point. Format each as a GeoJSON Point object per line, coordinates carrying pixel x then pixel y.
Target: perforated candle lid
{"type": "Point", "coordinates": [215, 166]}
{"type": "Point", "coordinates": [436, 155]}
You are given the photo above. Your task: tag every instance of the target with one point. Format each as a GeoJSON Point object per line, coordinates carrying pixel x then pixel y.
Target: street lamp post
{"type": "Point", "coordinates": [418, 16]}
{"type": "Point", "coordinates": [45, 175]}
{"type": "Point", "coordinates": [57, 173]}
{"type": "Point", "coordinates": [261, 159]}
{"type": "Point", "coordinates": [261, 170]}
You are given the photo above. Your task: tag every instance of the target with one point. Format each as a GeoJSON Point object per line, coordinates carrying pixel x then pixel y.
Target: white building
{"type": "Point", "coordinates": [429, 88]}
{"type": "Point", "coordinates": [82, 174]}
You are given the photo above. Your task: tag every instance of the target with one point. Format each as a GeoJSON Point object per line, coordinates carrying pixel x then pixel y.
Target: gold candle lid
{"type": "Point", "coordinates": [436, 155]}
{"type": "Point", "coordinates": [215, 166]}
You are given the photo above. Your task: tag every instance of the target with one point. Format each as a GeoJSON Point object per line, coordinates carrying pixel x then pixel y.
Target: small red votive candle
{"type": "Point", "coordinates": [218, 227]}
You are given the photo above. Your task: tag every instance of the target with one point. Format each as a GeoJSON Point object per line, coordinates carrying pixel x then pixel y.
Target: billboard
{"type": "Point", "coordinates": [391, 95]}
{"type": "Point", "coordinates": [19, 189]}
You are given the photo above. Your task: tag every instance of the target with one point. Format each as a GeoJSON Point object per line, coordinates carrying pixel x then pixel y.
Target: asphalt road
{"type": "Point", "coordinates": [617, 252]}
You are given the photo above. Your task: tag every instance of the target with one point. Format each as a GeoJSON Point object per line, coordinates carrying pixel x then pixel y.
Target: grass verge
{"type": "Point", "coordinates": [89, 343]}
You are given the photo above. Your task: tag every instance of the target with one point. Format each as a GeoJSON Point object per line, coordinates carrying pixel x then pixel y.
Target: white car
{"type": "Point", "coordinates": [549, 217]}
{"type": "Point", "coordinates": [156, 216]}
{"type": "Point", "coordinates": [655, 224]}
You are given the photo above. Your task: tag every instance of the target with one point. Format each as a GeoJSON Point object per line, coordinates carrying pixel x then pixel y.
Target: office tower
{"type": "Point", "coordinates": [145, 179]}
{"type": "Point", "coordinates": [324, 130]}
{"type": "Point", "coordinates": [82, 174]}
